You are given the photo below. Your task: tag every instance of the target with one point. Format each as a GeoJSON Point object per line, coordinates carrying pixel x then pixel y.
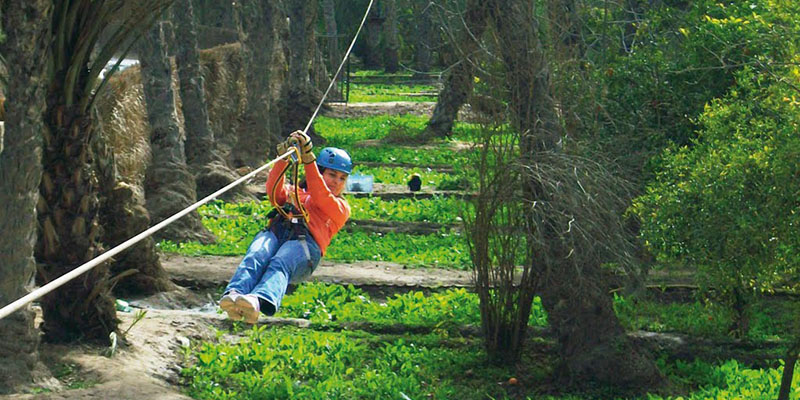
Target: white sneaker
{"type": "Point", "coordinates": [228, 304]}
{"type": "Point", "coordinates": [248, 307]}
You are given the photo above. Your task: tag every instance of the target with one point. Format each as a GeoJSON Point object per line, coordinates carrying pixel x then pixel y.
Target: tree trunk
{"type": "Point", "coordinates": [789, 363]}
{"type": "Point", "coordinates": [527, 77]}
{"type": "Point", "coordinates": [138, 269]}
{"type": "Point", "coordinates": [169, 186]}
{"type": "Point", "coordinates": [70, 230]}
{"type": "Point", "coordinates": [425, 29]}
{"type": "Point", "coordinates": [392, 44]}
{"type": "Point", "coordinates": [459, 81]}
{"type": "Point", "coordinates": [260, 127]}
{"type": "Point", "coordinates": [299, 99]}
{"type": "Point", "coordinates": [334, 55]}
{"type": "Point", "coordinates": [592, 343]}
{"type": "Point", "coordinates": [209, 168]}
{"type": "Point", "coordinates": [27, 26]}
{"type": "Point", "coordinates": [372, 58]}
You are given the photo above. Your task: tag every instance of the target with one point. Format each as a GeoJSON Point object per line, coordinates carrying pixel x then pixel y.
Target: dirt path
{"type": "Point", "coordinates": [214, 271]}
{"type": "Point", "coordinates": [356, 110]}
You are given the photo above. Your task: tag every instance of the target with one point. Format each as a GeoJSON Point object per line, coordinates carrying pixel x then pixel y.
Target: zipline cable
{"type": "Point", "coordinates": [341, 65]}
{"type": "Point", "coordinates": [52, 285]}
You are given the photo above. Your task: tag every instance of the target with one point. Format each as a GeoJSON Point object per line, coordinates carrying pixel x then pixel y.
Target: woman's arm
{"type": "Point", "coordinates": [276, 177]}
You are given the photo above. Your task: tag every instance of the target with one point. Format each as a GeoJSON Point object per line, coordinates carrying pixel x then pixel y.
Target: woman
{"type": "Point", "coordinates": [289, 249]}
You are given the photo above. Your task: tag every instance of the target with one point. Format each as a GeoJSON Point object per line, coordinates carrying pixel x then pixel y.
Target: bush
{"type": "Point", "coordinates": [729, 203]}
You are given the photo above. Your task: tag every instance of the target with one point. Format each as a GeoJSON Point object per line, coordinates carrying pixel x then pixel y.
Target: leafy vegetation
{"type": "Point", "coordinates": [679, 57]}
{"type": "Point", "coordinates": [322, 302]}
{"type": "Point", "coordinates": [400, 175]}
{"type": "Point", "coordinates": [724, 204]}
{"type": "Point", "coordinates": [289, 363]}
{"type": "Point", "coordinates": [705, 318]}
{"type": "Point", "coordinates": [372, 93]}
{"type": "Point", "coordinates": [307, 363]}
{"type": "Point", "coordinates": [443, 210]}
{"type": "Point", "coordinates": [446, 249]}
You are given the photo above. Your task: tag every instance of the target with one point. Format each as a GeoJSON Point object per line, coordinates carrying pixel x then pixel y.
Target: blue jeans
{"type": "Point", "coordinates": [271, 263]}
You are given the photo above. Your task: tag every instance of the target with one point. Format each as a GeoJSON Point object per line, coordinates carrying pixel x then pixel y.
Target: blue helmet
{"type": "Point", "coordinates": [333, 158]}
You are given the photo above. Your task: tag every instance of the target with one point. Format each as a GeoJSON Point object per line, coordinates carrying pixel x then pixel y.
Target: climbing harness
{"type": "Point", "coordinates": [292, 214]}
{"type": "Point", "coordinates": [58, 282]}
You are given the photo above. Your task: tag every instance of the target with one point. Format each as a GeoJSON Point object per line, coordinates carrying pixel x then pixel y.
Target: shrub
{"type": "Point", "coordinates": [727, 204]}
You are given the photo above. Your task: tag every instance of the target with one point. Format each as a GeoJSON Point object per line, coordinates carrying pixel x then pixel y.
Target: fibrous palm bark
{"type": "Point", "coordinates": [331, 30]}
{"type": "Point", "coordinates": [425, 29]}
{"type": "Point", "coordinates": [372, 58]}
{"type": "Point", "coordinates": [27, 26]}
{"type": "Point", "coordinates": [137, 270]}
{"type": "Point", "coordinates": [204, 159]}
{"type": "Point", "coordinates": [68, 208]}
{"type": "Point", "coordinates": [259, 130]}
{"type": "Point", "coordinates": [169, 186]}
{"type": "Point", "coordinates": [299, 98]}
{"type": "Point", "coordinates": [392, 42]}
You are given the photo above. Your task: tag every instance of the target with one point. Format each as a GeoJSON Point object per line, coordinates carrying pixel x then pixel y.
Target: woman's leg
{"type": "Point", "coordinates": [289, 264]}
{"type": "Point", "coordinates": [255, 262]}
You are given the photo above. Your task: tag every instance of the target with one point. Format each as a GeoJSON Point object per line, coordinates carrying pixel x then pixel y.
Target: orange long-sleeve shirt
{"type": "Point", "coordinates": [327, 213]}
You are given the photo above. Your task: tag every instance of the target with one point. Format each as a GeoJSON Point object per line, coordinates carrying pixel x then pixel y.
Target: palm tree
{"type": "Point", "coordinates": [86, 35]}
{"type": "Point", "coordinates": [169, 186]}
{"type": "Point", "coordinates": [26, 43]}
{"type": "Point", "coordinates": [202, 156]}
{"type": "Point", "coordinates": [259, 129]}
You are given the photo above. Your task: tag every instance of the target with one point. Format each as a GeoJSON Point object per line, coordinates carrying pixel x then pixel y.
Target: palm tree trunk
{"type": "Point", "coordinates": [391, 58]}
{"type": "Point", "coordinates": [27, 28]}
{"type": "Point", "coordinates": [209, 168]}
{"type": "Point", "coordinates": [70, 231]}
{"type": "Point", "coordinates": [458, 84]}
{"type": "Point", "coordinates": [260, 128]}
{"type": "Point", "coordinates": [459, 81]}
{"type": "Point", "coordinates": [373, 59]}
{"type": "Point", "coordinates": [138, 269]}
{"type": "Point", "coordinates": [334, 55]}
{"type": "Point", "coordinates": [169, 186]}
{"type": "Point", "coordinates": [425, 28]}
{"type": "Point", "coordinates": [299, 97]}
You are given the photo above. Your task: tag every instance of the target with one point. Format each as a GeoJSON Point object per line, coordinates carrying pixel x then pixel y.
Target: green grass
{"type": "Point", "coordinates": [431, 179]}
{"type": "Point", "coordinates": [376, 93]}
{"type": "Point", "coordinates": [235, 225]}
{"type": "Point", "coordinates": [278, 363]}
{"type": "Point", "coordinates": [323, 303]}
{"type": "Point", "coordinates": [344, 132]}
{"type": "Point", "coordinates": [442, 210]}
{"type": "Point", "coordinates": [289, 363]}
{"type": "Point", "coordinates": [771, 318]}
{"type": "Point", "coordinates": [444, 250]}
{"type": "Point", "coordinates": [443, 155]}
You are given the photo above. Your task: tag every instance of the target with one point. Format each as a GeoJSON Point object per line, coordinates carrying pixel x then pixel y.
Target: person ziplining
{"type": "Point", "coordinates": [306, 217]}
{"type": "Point", "coordinates": [331, 179]}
